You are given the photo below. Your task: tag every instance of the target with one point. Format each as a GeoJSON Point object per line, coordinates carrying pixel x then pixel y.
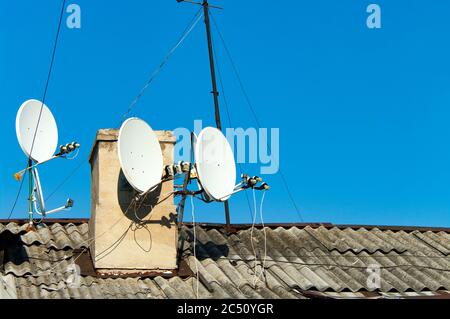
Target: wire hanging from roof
{"type": "Point", "coordinates": [264, 259]}
{"type": "Point", "coordinates": [195, 244]}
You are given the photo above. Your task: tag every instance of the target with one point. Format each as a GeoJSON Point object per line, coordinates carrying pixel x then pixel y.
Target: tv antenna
{"type": "Point", "coordinates": [206, 6]}
{"type": "Point", "coordinates": [37, 134]}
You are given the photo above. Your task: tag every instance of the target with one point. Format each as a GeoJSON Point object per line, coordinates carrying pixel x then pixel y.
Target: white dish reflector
{"type": "Point", "coordinates": [140, 155]}
{"type": "Point", "coordinates": [216, 167]}
{"type": "Point", "coordinates": [46, 139]}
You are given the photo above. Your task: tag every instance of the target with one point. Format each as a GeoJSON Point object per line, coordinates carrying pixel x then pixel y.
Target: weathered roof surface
{"type": "Point", "coordinates": [302, 261]}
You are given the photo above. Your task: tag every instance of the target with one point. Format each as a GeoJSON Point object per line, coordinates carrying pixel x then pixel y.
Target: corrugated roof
{"type": "Point", "coordinates": [303, 261]}
{"type": "Point", "coordinates": [56, 235]}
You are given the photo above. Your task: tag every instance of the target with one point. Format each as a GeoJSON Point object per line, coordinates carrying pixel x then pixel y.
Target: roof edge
{"type": "Point", "coordinates": [269, 225]}
{"type": "Point", "coordinates": [47, 220]}
{"type": "Point", "coordinates": [326, 225]}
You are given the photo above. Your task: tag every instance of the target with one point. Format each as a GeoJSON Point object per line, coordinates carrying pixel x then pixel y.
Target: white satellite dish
{"type": "Point", "coordinates": [37, 134]}
{"type": "Point", "coordinates": [215, 164]}
{"type": "Point", "coordinates": [140, 155]}
{"type": "Point", "coordinates": [45, 136]}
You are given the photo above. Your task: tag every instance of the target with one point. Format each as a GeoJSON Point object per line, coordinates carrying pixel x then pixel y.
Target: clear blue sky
{"type": "Point", "coordinates": [363, 114]}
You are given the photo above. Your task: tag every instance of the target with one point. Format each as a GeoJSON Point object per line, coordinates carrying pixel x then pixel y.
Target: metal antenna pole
{"type": "Point", "coordinates": [182, 203]}
{"type": "Point", "coordinates": [211, 65]}
{"type": "Point", "coordinates": [30, 195]}
{"type": "Point", "coordinates": [214, 90]}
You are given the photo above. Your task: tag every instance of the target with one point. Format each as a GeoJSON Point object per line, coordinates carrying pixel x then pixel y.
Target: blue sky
{"type": "Point", "coordinates": [363, 114]}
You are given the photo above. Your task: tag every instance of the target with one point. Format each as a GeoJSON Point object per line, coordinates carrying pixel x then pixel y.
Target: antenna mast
{"type": "Point", "coordinates": [211, 64]}
{"type": "Point", "coordinates": [214, 91]}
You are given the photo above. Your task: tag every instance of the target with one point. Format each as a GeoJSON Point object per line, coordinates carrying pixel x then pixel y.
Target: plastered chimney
{"type": "Point", "coordinates": [126, 238]}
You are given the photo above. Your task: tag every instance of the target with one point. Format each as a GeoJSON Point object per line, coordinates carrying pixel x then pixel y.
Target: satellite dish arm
{"type": "Point", "coordinates": [19, 174]}
{"type": "Point", "coordinates": [38, 192]}
{"type": "Point", "coordinates": [64, 150]}
{"type": "Point", "coordinates": [69, 204]}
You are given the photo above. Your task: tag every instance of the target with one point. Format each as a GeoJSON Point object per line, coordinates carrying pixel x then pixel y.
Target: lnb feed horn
{"type": "Point", "coordinates": [185, 167]}
{"type": "Point", "coordinates": [71, 146]}
{"type": "Point", "coordinates": [169, 171]}
{"type": "Point", "coordinates": [69, 203]}
{"type": "Point", "coordinates": [178, 168]}
{"type": "Point", "coordinates": [251, 182]}
{"type": "Point", "coordinates": [263, 186]}
{"type": "Point", "coordinates": [67, 148]}
{"type": "Point", "coordinates": [75, 144]}
{"type": "Point", "coordinates": [244, 177]}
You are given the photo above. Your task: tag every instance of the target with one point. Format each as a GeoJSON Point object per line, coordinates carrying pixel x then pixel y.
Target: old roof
{"type": "Point", "coordinates": [301, 261]}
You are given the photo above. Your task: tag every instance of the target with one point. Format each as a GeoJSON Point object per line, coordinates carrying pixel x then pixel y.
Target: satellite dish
{"type": "Point", "coordinates": [37, 134]}
{"type": "Point", "coordinates": [140, 155]}
{"type": "Point", "coordinates": [45, 136]}
{"type": "Point", "coordinates": [215, 164]}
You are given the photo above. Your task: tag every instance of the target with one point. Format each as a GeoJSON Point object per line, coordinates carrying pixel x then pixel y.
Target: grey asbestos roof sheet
{"type": "Point", "coordinates": [298, 262]}
{"type": "Point", "coordinates": [54, 235]}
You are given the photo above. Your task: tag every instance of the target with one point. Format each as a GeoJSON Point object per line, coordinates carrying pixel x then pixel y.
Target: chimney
{"type": "Point", "coordinates": [127, 239]}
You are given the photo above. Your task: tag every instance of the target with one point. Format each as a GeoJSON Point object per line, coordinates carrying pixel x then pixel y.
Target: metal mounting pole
{"type": "Point", "coordinates": [214, 91]}
{"type": "Point", "coordinates": [211, 65]}
{"type": "Point", "coordinates": [180, 217]}
{"type": "Point", "coordinates": [182, 204]}
{"type": "Point", "coordinates": [30, 195]}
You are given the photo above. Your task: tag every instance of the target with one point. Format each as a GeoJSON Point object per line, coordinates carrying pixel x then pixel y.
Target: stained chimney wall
{"type": "Point", "coordinates": [127, 238]}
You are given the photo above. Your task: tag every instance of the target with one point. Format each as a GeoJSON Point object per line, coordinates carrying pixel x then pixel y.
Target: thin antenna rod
{"type": "Point", "coordinates": [183, 201]}
{"type": "Point", "coordinates": [30, 193]}
{"type": "Point", "coordinates": [214, 91]}
{"type": "Point", "coordinates": [211, 64]}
